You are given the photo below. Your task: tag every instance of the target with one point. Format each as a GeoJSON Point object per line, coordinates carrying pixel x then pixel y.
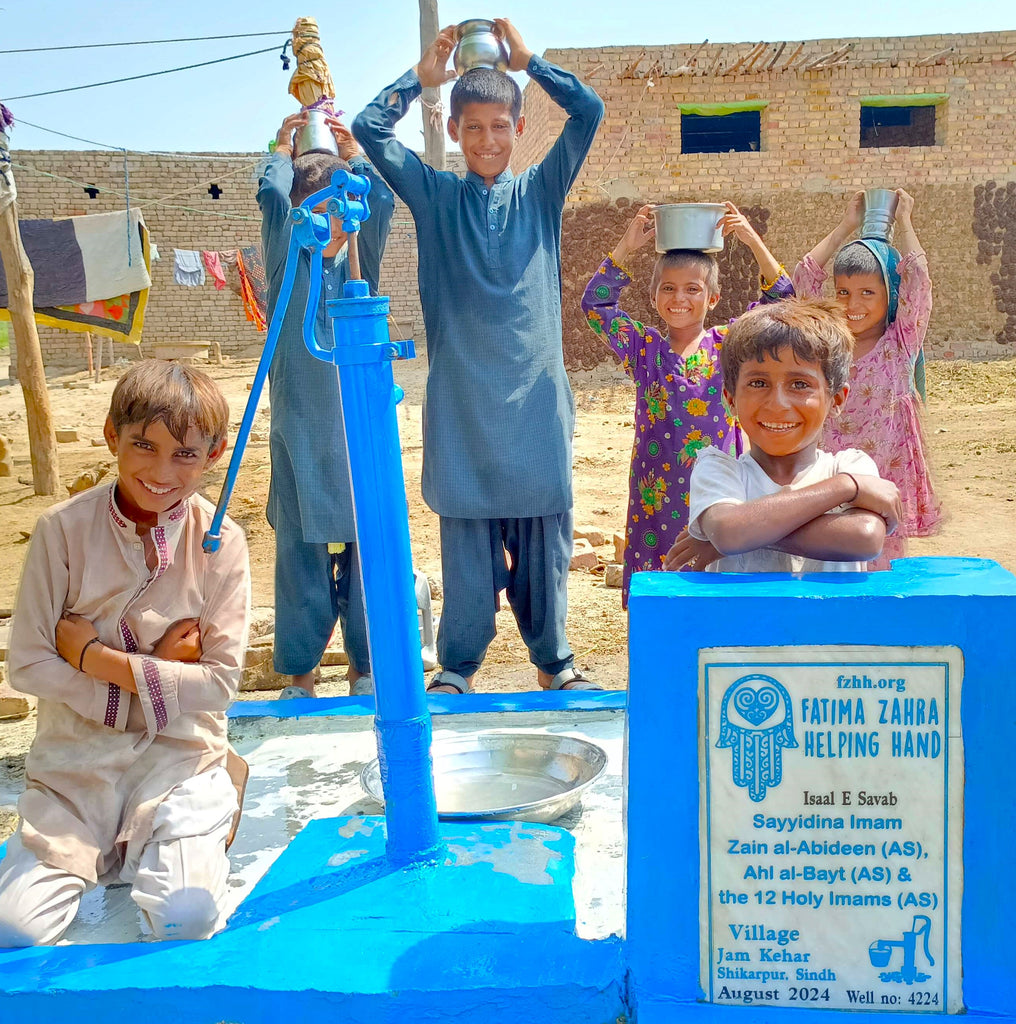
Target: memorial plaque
{"type": "Point", "coordinates": [831, 827]}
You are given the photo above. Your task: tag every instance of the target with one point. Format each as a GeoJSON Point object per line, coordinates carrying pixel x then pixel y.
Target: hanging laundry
{"type": "Point", "coordinates": [253, 285]}
{"type": "Point", "coordinates": [215, 269]}
{"type": "Point", "coordinates": [84, 259]}
{"type": "Point", "coordinates": [155, 252]}
{"type": "Point", "coordinates": [228, 259]}
{"type": "Point", "coordinates": [251, 266]}
{"type": "Point", "coordinates": [120, 317]}
{"type": "Point", "coordinates": [188, 268]}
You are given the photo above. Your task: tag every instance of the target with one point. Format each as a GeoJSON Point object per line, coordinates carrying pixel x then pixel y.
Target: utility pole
{"type": "Point", "coordinates": [20, 289]}
{"type": "Point", "coordinates": [433, 122]}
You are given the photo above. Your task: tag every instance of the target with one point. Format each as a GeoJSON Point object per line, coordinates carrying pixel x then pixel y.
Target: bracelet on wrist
{"type": "Point", "coordinates": [766, 285]}
{"type": "Point", "coordinates": [620, 266]}
{"type": "Point", "coordinates": [81, 657]}
{"type": "Point", "coordinates": [857, 488]}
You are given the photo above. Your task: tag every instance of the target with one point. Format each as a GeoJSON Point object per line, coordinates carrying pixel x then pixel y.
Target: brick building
{"type": "Point", "coordinates": [789, 131]}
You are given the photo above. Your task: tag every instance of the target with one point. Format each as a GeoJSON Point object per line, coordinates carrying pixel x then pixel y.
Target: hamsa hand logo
{"type": "Point", "coordinates": [756, 722]}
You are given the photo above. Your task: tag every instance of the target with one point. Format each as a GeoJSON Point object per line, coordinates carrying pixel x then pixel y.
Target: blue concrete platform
{"type": "Point", "coordinates": [332, 933]}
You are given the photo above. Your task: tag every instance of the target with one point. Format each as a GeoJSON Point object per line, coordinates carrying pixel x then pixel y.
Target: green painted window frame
{"type": "Point", "coordinates": [722, 109]}
{"type": "Point", "coordinates": [920, 99]}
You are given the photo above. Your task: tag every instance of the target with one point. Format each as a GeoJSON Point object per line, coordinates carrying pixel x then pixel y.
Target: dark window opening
{"type": "Point", "coordinates": [897, 126]}
{"type": "Point", "coordinates": [721, 133]}
{"type": "Point", "coordinates": [92, 191]}
{"type": "Point", "coordinates": [215, 191]}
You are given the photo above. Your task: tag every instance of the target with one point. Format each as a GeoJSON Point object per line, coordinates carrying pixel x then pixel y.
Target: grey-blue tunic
{"type": "Point", "coordinates": [307, 440]}
{"type": "Point", "coordinates": [500, 415]}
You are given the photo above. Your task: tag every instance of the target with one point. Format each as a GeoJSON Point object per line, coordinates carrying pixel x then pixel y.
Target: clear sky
{"type": "Point", "coordinates": [237, 106]}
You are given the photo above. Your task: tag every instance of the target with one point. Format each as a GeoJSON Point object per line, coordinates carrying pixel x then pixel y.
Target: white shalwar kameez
{"type": "Point", "coordinates": [121, 786]}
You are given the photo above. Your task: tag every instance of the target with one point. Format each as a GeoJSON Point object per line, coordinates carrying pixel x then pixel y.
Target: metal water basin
{"type": "Point", "coordinates": [501, 776]}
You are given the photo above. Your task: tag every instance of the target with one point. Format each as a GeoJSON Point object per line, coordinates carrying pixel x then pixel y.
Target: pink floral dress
{"type": "Point", "coordinates": [881, 415]}
{"type": "Point", "coordinates": [679, 409]}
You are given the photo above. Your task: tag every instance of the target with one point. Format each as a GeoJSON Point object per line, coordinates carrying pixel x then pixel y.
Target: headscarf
{"type": "Point", "coordinates": [889, 261]}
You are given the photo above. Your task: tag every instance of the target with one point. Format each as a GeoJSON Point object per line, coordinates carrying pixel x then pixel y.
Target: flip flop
{"type": "Point", "coordinates": [572, 679]}
{"type": "Point", "coordinates": [295, 693]}
{"type": "Point", "coordinates": [446, 678]}
{"type": "Point", "coordinates": [363, 687]}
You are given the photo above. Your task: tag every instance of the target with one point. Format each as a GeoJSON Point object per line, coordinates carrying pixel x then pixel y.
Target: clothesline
{"type": "Point", "coordinates": [147, 203]}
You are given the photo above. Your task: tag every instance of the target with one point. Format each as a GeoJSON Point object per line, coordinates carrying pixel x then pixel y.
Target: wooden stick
{"type": "Point", "coordinates": [88, 339]}
{"type": "Point", "coordinates": [716, 61]}
{"type": "Point", "coordinates": [751, 64]}
{"type": "Point", "coordinates": [735, 66]}
{"type": "Point", "coordinates": [776, 56]}
{"type": "Point", "coordinates": [935, 57]}
{"type": "Point", "coordinates": [31, 372]}
{"type": "Point", "coordinates": [1009, 55]}
{"type": "Point", "coordinates": [793, 57]}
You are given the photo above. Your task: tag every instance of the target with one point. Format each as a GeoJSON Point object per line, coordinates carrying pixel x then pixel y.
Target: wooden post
{"type": "Point", "coordinates": [31, 373]}
{"type": "Point", "coordinates": [433, 126]}
{"type": "Point", "coordinates": [88, 340]}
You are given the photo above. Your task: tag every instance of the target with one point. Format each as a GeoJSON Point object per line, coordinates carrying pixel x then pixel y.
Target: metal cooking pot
{"type": "Point", "coordinates": [479, 47]}
{"type": "Point", "coordinates": [879, 212]}
{"type": "Point", "coordinates": [315, 136]}
{"type": "Point", "coordinates": [689, 226]}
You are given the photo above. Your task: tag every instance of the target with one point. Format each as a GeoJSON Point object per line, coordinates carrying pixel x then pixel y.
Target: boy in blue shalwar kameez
{"type": "Point", "coordinates": [317, 573]}
{"type": "Point", "coordinates": [499, 414]}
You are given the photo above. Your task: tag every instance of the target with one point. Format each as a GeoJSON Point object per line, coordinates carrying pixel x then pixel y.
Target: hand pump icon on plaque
{"type": "Point", "coordinates": [881, 950]}
{"type": "Point", "coordinates": [756, 722]}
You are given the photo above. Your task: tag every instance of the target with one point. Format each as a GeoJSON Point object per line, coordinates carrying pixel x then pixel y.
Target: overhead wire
{"type": "Point", "coordinates": [134, 78]}
{"type": "Point", "coordinates": [144, 42]}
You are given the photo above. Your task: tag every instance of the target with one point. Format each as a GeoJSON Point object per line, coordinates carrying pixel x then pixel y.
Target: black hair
{"type": "Point", "coordinates": [856, 258]}
{"type": "Point", "coordinates": [313, 172]}
{"type": "Point", "coordinates": [485, 85]}
{"type": "Point", "coordinates": [816, 331]}
{"type": "Point", "coordinates": [703, 261]}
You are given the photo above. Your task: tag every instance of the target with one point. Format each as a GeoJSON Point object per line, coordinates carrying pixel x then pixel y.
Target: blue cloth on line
{"type": "Point", "coordinates": [188, 268]}
{"type": "Point", "coordinates": [499, 412]}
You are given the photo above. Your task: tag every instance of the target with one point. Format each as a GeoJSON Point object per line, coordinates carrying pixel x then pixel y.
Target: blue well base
{"type": "Point", "coordinates": [332, 933]}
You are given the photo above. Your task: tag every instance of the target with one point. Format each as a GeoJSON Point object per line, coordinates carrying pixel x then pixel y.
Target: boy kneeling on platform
{"type": "Point", "coordinates": [132, 639]}
{"type": "Point", "coordinates": [786, 505]}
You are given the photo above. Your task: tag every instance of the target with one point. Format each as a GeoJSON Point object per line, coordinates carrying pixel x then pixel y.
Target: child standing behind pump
{"type": "Point", "coordinates": [132, 638]}
{"type": "Point", "coordinates": [310, 503]}
{"type": "Point", "coordinates": [679, 406]}
{"type": "Point", "coordinates": [886, 294]}
{"type": "Point", "coordinates": [785, 505]}
{"type": "Point", "coordinates": [499, 413]}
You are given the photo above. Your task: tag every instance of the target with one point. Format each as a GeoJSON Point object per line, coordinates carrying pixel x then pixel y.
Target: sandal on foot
{"type": "Point", "coordinates": [446, 678]}
{"type": "Point", "coordinates": [296, 693]}
{"type": "Point", "coordinates": [572, 679]}
{"type": "Point", "coordinates": [363, 687]}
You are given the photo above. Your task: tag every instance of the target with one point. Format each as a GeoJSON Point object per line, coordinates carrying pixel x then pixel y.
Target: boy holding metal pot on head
{"type": "Point", "coordinates": [499, 414]}
{"type": "Point", "coordinates": [310, 503]}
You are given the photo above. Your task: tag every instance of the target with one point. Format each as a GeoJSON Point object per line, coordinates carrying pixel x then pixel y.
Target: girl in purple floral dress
{"type": "Point", "coordinates": [679, 406]}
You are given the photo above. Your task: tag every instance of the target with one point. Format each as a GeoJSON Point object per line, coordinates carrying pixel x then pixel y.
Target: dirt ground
{"type": "Point", "coordinates": [971, 435]}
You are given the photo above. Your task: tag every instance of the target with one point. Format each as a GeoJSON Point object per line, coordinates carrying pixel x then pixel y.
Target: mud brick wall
{"type": "Point", "coordinates": [809, 164]}
{"type": "Point", "coordinates": [181, 213]}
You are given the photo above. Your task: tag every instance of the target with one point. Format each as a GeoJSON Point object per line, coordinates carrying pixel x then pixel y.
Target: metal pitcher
{"type": "Point", "coordinates": [315, 136]}
{"type": "Point", "coordinates": [879, 212]}
{"type": "Point", "coordinates": [479, 47]}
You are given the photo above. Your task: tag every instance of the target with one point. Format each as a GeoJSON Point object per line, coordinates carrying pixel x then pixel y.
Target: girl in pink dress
{"type": "Point", "coordinates": [886, 294]}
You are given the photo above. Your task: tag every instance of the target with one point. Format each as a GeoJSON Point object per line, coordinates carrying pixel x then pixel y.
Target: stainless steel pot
{"type": "Point", "coordinates": [315, 136]}
{"type": "Point", "coordinates": [879, 212]}
{"type": "Point", "coordinates": [689, 226]}
{"type": "Point", "coordinates": [479, 47]}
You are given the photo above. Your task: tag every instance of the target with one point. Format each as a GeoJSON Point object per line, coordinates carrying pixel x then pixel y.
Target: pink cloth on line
{"type": "Point", "coordinates": [882, 415]}
{"type": "Point", "coordinates": [214, 265]}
